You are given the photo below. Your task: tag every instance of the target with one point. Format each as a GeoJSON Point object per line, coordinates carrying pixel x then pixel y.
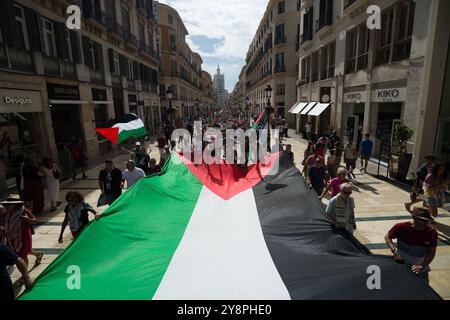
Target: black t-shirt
{"type": "Point", "coordinates": [7, 258]}
{"type": "Point", "coordinates": [142, 161]}
{"type": "Point", "coordinates": [111, 181]}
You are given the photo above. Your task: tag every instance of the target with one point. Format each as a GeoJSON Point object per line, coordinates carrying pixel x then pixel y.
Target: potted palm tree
{"type": "Point", "coordinates": [402, 135]}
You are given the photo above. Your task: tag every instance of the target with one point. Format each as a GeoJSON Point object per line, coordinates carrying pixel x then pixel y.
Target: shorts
{"type": "Point", "coordinates": [365, 157]}
{"type": "Point", "coordinates": [351, 163]}
{"type": "Point", "coordinates": [434, 202]}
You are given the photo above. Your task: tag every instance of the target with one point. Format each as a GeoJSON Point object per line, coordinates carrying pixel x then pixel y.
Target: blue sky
{"type": "Point", "coordinates": [220, 31]}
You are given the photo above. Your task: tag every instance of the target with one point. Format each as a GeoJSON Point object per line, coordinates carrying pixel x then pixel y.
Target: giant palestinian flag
{"type": "Point", "coordinates": [217, 232]}
{"type": "Point", "coordinates": [124, 127]}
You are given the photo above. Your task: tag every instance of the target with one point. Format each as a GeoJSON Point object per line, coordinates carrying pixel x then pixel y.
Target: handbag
{"type": "Point", "coordinates": [56, 174]}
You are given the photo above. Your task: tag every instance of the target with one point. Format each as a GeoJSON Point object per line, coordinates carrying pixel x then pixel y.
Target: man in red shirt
{"type": "Point", "coordinates": [416, 242]}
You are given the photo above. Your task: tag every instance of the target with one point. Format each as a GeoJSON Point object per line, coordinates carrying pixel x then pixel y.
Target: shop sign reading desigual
{"type": "Point", "coordinates": [12, 101]}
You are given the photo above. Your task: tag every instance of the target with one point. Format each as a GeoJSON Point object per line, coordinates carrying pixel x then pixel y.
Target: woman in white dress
{"type": "Point", "coordinates": [52, 175]}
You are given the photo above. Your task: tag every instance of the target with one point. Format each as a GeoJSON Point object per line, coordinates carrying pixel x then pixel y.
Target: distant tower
{"type": "Point", "coordinates": [219, 87]}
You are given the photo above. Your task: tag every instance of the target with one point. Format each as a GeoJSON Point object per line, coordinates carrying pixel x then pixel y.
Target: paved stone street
{"type": "Point", "coordinates": [379, 205]}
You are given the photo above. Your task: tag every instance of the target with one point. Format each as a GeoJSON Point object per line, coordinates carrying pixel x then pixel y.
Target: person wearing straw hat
{"type": "Point", "coordinates": [18, 230]}
{"type": "Point", "coordinates": [416, 242]}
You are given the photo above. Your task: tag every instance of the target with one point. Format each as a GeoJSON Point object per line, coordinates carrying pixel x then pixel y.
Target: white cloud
{"type": "Point", "coordinates": [232, 23]}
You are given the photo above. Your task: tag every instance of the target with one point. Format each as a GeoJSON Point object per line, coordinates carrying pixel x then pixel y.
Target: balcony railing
{"type": "Point", "coordinates": [306, 36]}
{"type": "Point", "coordinates": [97, 77]}
{"type": "Point", "coordinates": [149, 50]}
{"type": "Point", "coordinates": [116, 81]}
{"type": "Point", "coordinates": [51, 66]}
{"type": "Point", "coordinates": [15, 58]}
{"type": "Point", "coordinates": [131, 84]}
{"type": "Point", "coordinates": [280, 69]}
{"type": "Point", "coordinates": [325, 19]}
{"type": "Point", "coordinates": [402, 49]}
{"type": "Point", "coordinates": [94, 12]}
{"type": "Point", "coordinates": [280, 40]}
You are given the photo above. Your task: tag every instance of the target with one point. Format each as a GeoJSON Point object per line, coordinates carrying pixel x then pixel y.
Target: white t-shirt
{"type": "Point", "coordinates": [131, 177]}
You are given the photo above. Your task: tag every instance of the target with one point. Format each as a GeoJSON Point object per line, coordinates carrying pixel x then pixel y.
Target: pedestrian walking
{"type": "Point", "coordinates": [33, 190]}
{"type": "Point", "coordinates": [341, 209]}
{"type": "Point", "coordinates": [350, 155]}
{"type": "Point", "coordinates": [331, 164]}
{"type": "Point", "coordinates": [416, 243]}
{"type": "Point", "coordinates": [289, 152]}
{"type": "Point", "coordinates": [79, 157]}
{"type": "Point", "coordinates": [132, 174]}
{"type": "Point", "coordinates": [18, 228]}
{"type": "Point", "coordinates": [423, 171]}
{"type": "Point", "coordinates": [334, 185]}
{"type": "Point", "coordinates": [52, 176]}
{"type": "Point", "coordinates": [310, 162]}
{"type": "Point", "coordinates": [76, 215]}
{"type": "Point", "coordinates": [435, 185]}
{"type": "Point", "coordinates": [366, 152]}
{"type": "Point", "coordinates": [316, 176]}
{"type": "Point", "coordinates": [153, 167]}
{"type": "Point", "coordinates": [110, 183]}
{"type": "Point", "coordinates": [9, 258]}
{"type": "Point", "coordinates": [65, 158]}
{"type": "Point", "coordinates": [308, 130]}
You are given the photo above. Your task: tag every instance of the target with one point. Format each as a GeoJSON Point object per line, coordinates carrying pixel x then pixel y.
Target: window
{"type": "Point", "coordinates": [348, 3]}
{"type": "Point", "coordinates": [331, 59]}
{"type": "Point", "coordinates": [170, 19]}
{"type": "Point", "coordinates": [142, 33]}
{"type": "Point", "coordinates": [281, 7]}
{"type": "Point", "coordinates": [384, 38]}
{"type": "Point", "coordinates": [279, 34]}
{"type": "Point", "coordinates": [172, 42]}
{"type": "Point", "coordinates": [357, 48]}
{"type": "Point", "coordinates": [21, 27]}
{"type": "Point", "coordinates": [281, 89]}
{"type": "Point", "coordinates": [279, 63]}
{"type": "Point", "coordinates": [307, 25]}
{"type": "Point", "coordinates": [126, 20]}
{"type": "Point", "coordinates": [394, 41]}
{"type": "Point", "coordinates": [116, 62]}
{"type": "Point", "coordinates": [405, 18]}
{"type": "Point", "coordinates": [315, 66]}
{"type": "Point", "coordinates": [325, 14]}
{"type": "Point", "coordinates": [308, 69]}
{"type": "Point", "coordinates": [49, 38]}
{"type": "Point", "coordinates": [94, 55]}
{"type": "Point", "coordinates": [130, 69]}
{"type": "Point", "coordinates": [69, 45]}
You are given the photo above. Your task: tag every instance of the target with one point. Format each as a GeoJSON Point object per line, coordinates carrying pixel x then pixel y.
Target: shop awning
{"type": "Point", "coordinates": [293, 107]}
{"type": "Point", "coordinates": [299, 107]}
{"type": "Point", "coordinates": [308, 108]}
{"type": "Point", "coordinates": [67, 102]}
{"type": "Point", "coordinates": [102, 102]}
{"type": "Point", "coordinates": [318, 109]}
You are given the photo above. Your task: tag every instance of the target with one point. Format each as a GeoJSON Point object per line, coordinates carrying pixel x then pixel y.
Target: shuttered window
{"type": "Point", "coordinates": [49, 38]}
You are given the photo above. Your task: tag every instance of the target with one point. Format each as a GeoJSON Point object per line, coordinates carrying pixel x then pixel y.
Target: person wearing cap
{"type": "Point", "coordinates": [132, 174]}
{"type": "Point", "coordinates": [334, 186]}
{"type": "Point", "coordinates": [17, 230]}
{"type": "Point", "coordinates": [423, 171]}
{"type": "Point", "coordinates": [341, 209]}
{"type": "Point", "coordinates": [416, 242]}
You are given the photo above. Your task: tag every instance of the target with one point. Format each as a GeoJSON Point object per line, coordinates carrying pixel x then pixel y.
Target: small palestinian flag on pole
{"type": "Point", "coordinates": [125, 127]}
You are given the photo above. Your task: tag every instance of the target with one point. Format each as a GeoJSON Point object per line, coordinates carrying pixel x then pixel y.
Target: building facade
{"type": "Point", "coordinates": [209, 99]}
{"type": "Point", "coordinates": [58, 85]}
{"type": "Point", "coordinates": [272, 59]}
{"type": "Point", "coordinates": [180, 68]}
{"type": "Point", "coordinates": [356, 80]}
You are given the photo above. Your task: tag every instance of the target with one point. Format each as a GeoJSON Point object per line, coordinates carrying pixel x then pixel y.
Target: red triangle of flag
{"type": "Point", "coordinates": [112, 134]}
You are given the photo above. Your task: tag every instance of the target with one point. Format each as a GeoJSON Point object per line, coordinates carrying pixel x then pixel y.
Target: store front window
{"type": "Point", "coordinates": [19, 139]}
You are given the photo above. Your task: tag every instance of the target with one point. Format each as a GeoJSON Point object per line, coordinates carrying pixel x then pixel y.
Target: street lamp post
{"type": "Point", "coordinates": [269, 112]}
{"type": "Point", "coordinates": [169, 94]}
{"type": "Point", "coordinates": [197, 108]}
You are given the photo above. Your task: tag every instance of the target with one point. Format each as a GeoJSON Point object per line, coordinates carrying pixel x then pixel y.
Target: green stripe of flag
{"type": "Point", "coordinates": [126, 253]}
